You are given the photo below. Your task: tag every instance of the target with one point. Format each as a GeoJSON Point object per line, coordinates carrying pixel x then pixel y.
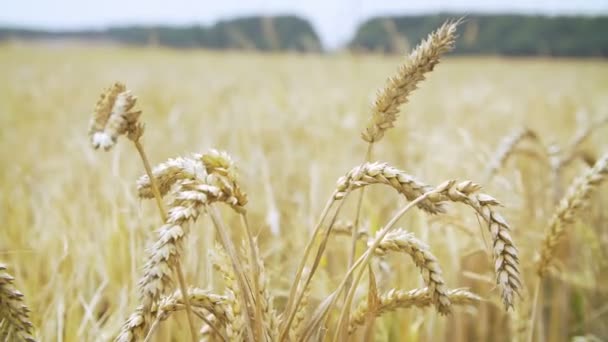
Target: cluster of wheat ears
{"type": "Point", "coordinates": [184, 188]}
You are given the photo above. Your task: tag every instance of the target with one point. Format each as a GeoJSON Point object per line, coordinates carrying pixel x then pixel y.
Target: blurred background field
{"type": "Point", "coordinates": [286, 89]}
{"type": "Point", "coordinates": [74, 232]}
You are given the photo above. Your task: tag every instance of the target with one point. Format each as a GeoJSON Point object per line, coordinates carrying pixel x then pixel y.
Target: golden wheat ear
{"type": "Point", "coordinates": [399, 299]}
{"type": "Point", "coordinates": [568, 210]}
{"type": "Point", "coordinates": [395, 93]}
{"type": "Point", "coordinates": [15, 324]}
{"type": "Point", "coordinates": [402, 241]}
{"type": "Point", "coordinates": [113, 117]}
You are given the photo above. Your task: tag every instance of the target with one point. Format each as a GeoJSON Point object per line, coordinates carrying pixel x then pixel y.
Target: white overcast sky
{"type": "Point", "coordinates": [334, 20]}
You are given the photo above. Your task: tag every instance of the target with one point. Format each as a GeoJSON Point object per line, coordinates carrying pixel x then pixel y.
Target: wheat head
{"type": "Point", "coordinates": [395, 93]}
{"type": "Point", "coordinates": [15, 324]}
{"type": "Point", "coordinates": [402, 241]}
{"type": "Point", "coordinates": [568, 209]}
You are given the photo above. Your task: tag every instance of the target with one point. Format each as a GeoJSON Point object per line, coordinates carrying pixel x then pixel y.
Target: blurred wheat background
{"type": "Point", "coordinates": [74, 232]}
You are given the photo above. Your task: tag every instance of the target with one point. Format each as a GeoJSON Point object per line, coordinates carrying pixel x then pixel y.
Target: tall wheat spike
{"type": "Point", "coordinates": [395, 93]}
{"type": "Point", "coordinates": [402, 241]}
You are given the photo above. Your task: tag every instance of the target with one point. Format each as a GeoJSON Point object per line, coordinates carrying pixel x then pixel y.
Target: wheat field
{"type": "Point", "coordinates": [74, 232]}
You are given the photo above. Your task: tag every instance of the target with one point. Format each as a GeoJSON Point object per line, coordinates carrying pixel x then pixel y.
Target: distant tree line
{"type": "Point", "coordinates": [259, 33]}
{"type": "Point", "coordinates": [511, 35]}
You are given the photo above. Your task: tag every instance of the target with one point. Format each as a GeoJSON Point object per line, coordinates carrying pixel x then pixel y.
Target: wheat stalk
{"type": "Point", "coordinates": [402, 241]}
{"type": "Point", "coordinates": [395, 93]}
{"type": "Point", "coordinates": [400, 299]}
{"type": "Point", "coordinates": [15, 324]}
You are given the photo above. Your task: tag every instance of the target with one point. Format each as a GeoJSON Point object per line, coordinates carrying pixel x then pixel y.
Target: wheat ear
{"type": "Point", "coordinates": [199, 299]}
{"type": "Point", "coordinates": [15, 324]}
{"type": "Point", "coordinates": [395, 93]}
{"type": "Point", "coordinates": [568, 209]}
{"type": "Point", "coordinates": [382, 173]}
{"type": "Point", "coordinates": [400, 299]}
{"type": "Point", "coordinates": [402, 241]}
{"type": "Point", "coordinates": [113, 117]}
{"type": "Point", "coordinates": [507, 147]}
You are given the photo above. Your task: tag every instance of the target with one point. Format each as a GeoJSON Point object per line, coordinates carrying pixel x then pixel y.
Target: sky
{"type": "Point", "coordinates": [334, 20]}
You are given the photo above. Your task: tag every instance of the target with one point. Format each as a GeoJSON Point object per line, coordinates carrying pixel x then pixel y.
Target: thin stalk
{"type": "Point", "coordinates": [163, 215]}
{"type": "Point", "coordinates": [236, 264]}
{"type": "Point", "coordinates": [153, 185]}
{"type": "Point", "coordinates": [152, 328]}
{"type": "Point", "coordinates": [307, 250]}
{"type": "Point", "coordinates": [355, 232]}
{"type": "Point", "coordinates": [534, 308]}
{"type": "Point", "coordinates": [313, 269]}
{"type": "Point", "coordinates": [259, 330]}
{"type": "Point", "coordinates": [367, 257]}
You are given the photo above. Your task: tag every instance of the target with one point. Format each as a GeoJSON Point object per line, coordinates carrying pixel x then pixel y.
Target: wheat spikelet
{"type": "Point", "coordinates": [382, 173]}
{"type": "Point", "coordinates": [396, 299]}
{"type": "Point", "coordinates": [505, 254]}
{"type": "Point", "coordinates": [507, 147]}
{"type": "Point", "coordinates": [569, 207]}
{"type": "Point", "coordinates": [15, 324]}
{"type": "Point", "coordinates": [402, 241]}
{"type": "Point", "coordinates": [395, 93]}
{"type": "Point", "coordinates": [113, 117]}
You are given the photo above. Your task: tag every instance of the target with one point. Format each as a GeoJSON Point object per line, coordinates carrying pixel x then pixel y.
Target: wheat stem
{"type": "Point", "coordinates": [535, 305]}
{"type": "Point", "coordinates": [294, 286]}
{"type": "Point", "coordinates": [255, 269]}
